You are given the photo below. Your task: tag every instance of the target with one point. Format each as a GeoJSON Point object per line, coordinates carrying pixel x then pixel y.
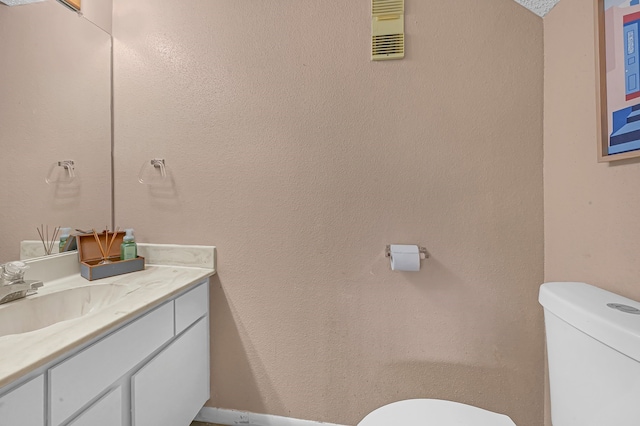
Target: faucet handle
{"type": "Point", "coordinates": [34, 284]}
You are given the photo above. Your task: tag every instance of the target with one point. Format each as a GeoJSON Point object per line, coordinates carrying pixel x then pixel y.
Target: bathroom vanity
{"type": "Point", "coordinates": [140, 358]}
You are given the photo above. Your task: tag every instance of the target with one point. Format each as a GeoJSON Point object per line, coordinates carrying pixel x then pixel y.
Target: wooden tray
{"type": "Point", "coordinates": [90, 257]}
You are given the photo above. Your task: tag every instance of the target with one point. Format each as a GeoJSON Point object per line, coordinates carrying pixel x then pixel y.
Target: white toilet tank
{"type": "Point", "coordinates": [593, 349]}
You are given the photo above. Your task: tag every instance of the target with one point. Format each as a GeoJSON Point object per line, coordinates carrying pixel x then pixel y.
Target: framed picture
{"type": "Point", "coordinates": [618, 70]}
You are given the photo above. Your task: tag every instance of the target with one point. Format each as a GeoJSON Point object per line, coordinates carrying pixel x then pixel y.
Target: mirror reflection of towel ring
{"type": "Point", "coordinates": [156, 163]}
{"type": "Point", "coordinates": [68, 166]}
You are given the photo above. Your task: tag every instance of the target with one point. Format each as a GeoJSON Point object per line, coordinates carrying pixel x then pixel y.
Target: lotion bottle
{"type": "Point", "coordinates": [63, 238]}
{"type": "Point", "coordinates": [128, 248]}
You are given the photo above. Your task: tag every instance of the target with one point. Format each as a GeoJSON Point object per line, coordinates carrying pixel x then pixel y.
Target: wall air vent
{"type": "Point", "coordinates": [387, 29]}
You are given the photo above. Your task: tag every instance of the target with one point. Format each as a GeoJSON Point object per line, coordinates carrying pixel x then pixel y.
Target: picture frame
{"type": "Point", "coordinates": [618, 78]}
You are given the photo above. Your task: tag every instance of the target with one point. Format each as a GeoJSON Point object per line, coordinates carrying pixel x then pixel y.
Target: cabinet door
{"type": "Point", "coordinates": [174, 385]}
{"type": "Point", "coordinates": [107, 411]}
{"type": "Point", "coordinates": [82, 377]}
{"type": "Point", "coordinates": [24, 406]}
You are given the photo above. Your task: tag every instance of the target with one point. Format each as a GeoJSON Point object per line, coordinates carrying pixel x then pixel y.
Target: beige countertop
{"type": "Point", "coordinates": [169, 270]}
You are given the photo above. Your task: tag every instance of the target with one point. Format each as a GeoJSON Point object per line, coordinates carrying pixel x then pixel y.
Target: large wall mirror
{"type": "Point", "coordinates": [55, 106]}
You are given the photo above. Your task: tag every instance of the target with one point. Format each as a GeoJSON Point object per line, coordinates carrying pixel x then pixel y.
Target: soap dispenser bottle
{"type": "Point", "coordinates": [128, 248]}
{"type": "Point", "coordinates": [64, 236]}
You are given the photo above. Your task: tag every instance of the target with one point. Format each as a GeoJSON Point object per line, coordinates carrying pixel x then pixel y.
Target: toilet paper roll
{"type": "Point", "coordinates": [405, 257]}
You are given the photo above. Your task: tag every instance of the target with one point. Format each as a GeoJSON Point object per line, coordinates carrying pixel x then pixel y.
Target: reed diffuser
{"type": "Point", "coordinates": [48, 244]}
{"type": "Point", "coordinates": [106, 248]}
{"type": "Point", "coordinates": [100, 259]}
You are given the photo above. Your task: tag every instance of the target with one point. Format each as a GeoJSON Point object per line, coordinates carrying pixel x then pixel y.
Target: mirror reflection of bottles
{"type": "Point", "coordinates": [63, 238]}
{"type": "Point", "coordinates": [128, 248]}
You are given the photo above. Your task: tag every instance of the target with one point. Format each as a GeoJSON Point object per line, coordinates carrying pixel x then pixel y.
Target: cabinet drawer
{"type": "Point", "coordinates": [24, 405]}
{"type": "Point", "coordinates": [77, 380]}
{"type": "Point", "coordinates": [191, 306]}
{"type": "Point", "coordinates": [174, 385]}
{"type": "Point", "coordinates": [107, 411]}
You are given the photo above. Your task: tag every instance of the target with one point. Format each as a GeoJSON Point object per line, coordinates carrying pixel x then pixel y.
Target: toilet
{"type": "Point", "coordinates": [593, 350]}
{"type": "Point", "coordinates": [433, 412]}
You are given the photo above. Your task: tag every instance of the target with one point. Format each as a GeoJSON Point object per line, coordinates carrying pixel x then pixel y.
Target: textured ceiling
{"type": "Point", "coordinates": [18, 2]}
{"type": "Point", "coordinates": [539, 7]}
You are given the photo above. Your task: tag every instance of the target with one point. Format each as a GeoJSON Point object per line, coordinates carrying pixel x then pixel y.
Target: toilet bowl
{"type": "Point", "coordinates": [433, 412]}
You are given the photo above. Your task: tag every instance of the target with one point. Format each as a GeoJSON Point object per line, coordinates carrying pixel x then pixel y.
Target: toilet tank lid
{"type": "Point", "coordinates": [608, 317]}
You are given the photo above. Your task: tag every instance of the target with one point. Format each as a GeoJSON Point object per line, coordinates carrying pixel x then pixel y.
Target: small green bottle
{"type": "Point", "coordinates": [128, 248]}
{"type": "Point", "coordinates": [63, 238]}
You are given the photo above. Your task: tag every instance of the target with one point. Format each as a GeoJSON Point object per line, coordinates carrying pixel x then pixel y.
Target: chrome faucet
{"type": "Point", "coordinates": [12, 283]}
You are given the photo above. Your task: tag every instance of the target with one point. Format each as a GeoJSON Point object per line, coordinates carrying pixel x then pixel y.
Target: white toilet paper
{"type": "Point", "coordinates": [405, 257]}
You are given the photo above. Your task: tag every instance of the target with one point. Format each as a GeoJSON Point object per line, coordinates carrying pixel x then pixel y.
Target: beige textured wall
{"type": "Point", "coordinates": [100, 12]}
{"type": "Point", "coordinates": [301, 159]}
{"type": "Point", "coordinates": [55, 104]}
{"type": "Point", "coordinates": [591, 209]}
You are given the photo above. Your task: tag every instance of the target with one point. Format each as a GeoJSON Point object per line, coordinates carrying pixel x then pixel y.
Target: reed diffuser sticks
{"type": "Point", "coordinates": [95, 235]}
{"type": "Point", "coordinates": [48, 244]}
{"type": "Point", "coordinates": [115, 233]}
{"type": "Point", "coordinates": [106, 249]}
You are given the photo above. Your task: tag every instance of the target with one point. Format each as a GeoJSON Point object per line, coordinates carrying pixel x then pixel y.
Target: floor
{"type": "Point", "coordinates": [203, 424]}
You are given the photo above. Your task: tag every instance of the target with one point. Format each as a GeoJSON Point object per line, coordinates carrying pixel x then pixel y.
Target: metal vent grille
{"type": "Point", "coordinates": [388, 46]}
{"type": "Point", "coordinates": [387, 29]}
{"type": "Point", "coordinates": [387, 7]}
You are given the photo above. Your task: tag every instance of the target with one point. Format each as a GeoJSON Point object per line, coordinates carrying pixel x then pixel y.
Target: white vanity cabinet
{"type": "Point", "coordinates": [172, 387]}
{"type": "Point", "coordinates": [24, 405]}
{"type": "Point", "coordinates": [85, 376]}
{"type": "Point", "coordinates": [107, 411]}
{"type": "Point", "coordinates": [152, 371]}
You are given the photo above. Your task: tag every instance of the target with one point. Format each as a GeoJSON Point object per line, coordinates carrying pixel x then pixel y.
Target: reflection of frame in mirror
{"type": "Point", "coordinates": [72, 4]}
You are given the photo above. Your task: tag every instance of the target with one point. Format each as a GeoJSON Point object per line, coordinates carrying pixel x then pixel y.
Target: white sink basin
{"type": "Point", "coordinates": [45, 309]}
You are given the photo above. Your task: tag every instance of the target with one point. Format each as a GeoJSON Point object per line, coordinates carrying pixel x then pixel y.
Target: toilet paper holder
{"type": "Point", "coordinates": [424, 254]}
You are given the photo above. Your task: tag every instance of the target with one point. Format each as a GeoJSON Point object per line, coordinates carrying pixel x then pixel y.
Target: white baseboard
{"type": "Point", "coordinates": [243, 418]}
